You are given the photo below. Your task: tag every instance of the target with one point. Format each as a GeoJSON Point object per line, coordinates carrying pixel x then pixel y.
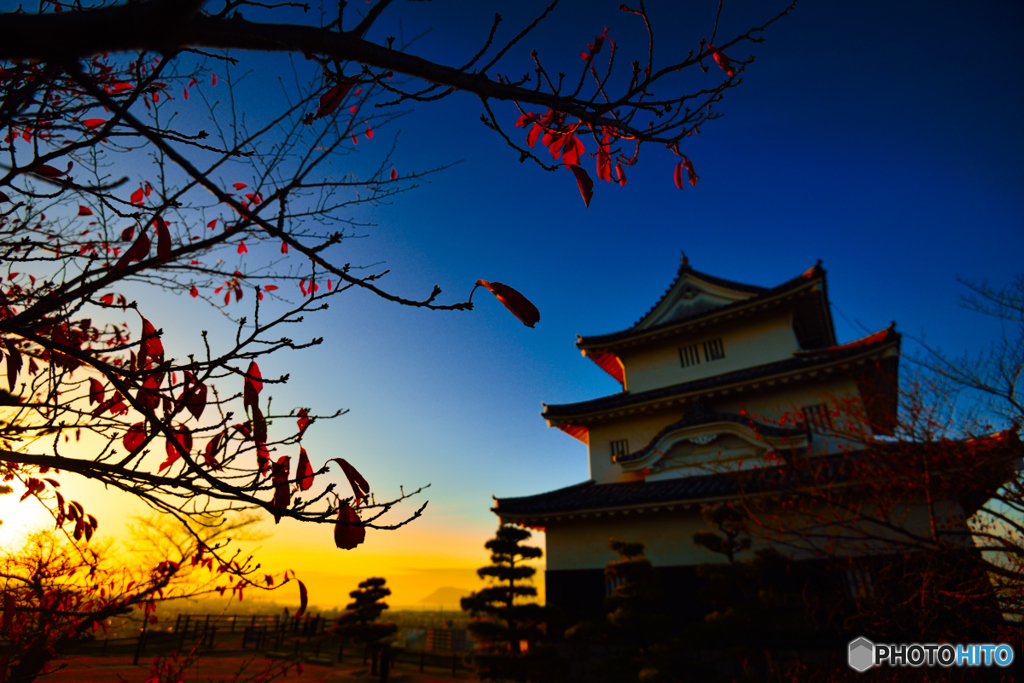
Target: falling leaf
{"type": "Point", "coordinates": [84, 210]}
{"type": "Point", "coordinates": [348, 530]}
{"type": "Point", "coordinates": [585, 183]}
{"type": "Point", "coordinates": [304, 473]}
{"type": "Point", "coordinates": [516, 303]}
{"type": "Point", "coordinates": [360, 488]}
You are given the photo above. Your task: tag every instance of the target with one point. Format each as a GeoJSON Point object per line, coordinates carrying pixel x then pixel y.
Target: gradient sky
{"type": "Point", "coordinates": [883, 138]}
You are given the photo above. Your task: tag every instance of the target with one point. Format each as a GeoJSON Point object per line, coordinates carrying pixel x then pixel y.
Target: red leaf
{"type": "Point", "coordinates": [269, 288]}
{"type": "Point", "coordinates": [138, 251]}
{"type": "Point", "coordinates": [195, 401]}
{"type": "Point", "coordinates": [239, 186]}
{"type": "Point", "coordinates": [282, 492]}
{"type": "Point", "coordinates": [93, 123]}
{"type": "Point", "coordinates": [304, 473]}
{"type": "Point", "coordinates": [253, 386]}
{"type": "Point", "coordinates": [137, 196]}
{"type": "Point", "coordinates": [212, 224]}
{"type": "Point", "coordinates": [369, 132]}
{"type": "Point", "coordinates": [620, 175]}
{"type": "Point", "coordinates": [394, 174]}
{"type": "Point", "coordinates": [516, 303]}
{"type": "Point", "coordinates": [303, 601]}
{"type": "Point", "coordinates": [689, 169]}
{"type": "Point", "coordinates": [242, 249]}
{"type": "Point", "coordinates": [585, 183]}
{"type": "Point", "coordinates": [108, 299]}
{"type": "Point", "coordinates": [678, 175]}
{"type": "Point", "coordinates": [284, 247]}
{"type": "Point", "coordinates": [330, 100]}
{"type": "Point", "coordinates": [194, 292]}
{"type": "Point", "coordinates": [210, 454]}
{"type": "Point", "coordinates": [95, 391]}
{"type": "Point", "coordinates": [13, 363]}
{"type": "Point", "coordinates": [348, 530]}
{"type": "Point", "coordinates": [360, 488]}
{"type": "Point", "coordinates": [48, 171]}
{"type": "Point", "coordinates": [163, 239]}
{"type": "Point", "coordinates": [183, 437]}
{"type": "Point", "coordinates": [303, 421]}
{"type": "Point", "coordinates": [128, 233]}
{"type": "Point", "coordinates": [724, 62]}
{"type": "Point", "coordinates": [134, 437]}
{"type": "Point", "coordinates": [84, 210]}
{"type": "Point", "coordinates": [151, 346]}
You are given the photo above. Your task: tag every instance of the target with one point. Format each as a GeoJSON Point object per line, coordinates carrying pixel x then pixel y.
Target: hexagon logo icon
{"type": "Point", "coordinates": [861, 654]}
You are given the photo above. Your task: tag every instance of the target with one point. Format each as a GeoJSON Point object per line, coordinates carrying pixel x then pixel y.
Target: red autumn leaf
{"type": "Point", "coordinates": [724, 62]}
{"type": "Point", "coordinates": [348, 530]}
{"type": "Point", "coordinates": [134, 437]}
{"type": "Point", "coordinates": [210, 454]}
{"type": "Point", "coordinates": [282, 492]}
{"type": "Point", "coordinates": [195, 401]}
{"type": "Point", "coordinates": [369, 132]}
{"type": "Point", "coordinates": [394, 174]}
{"type": "Point", "coordinates": [303, 421]}
{"type": "Point", "coordinates": [95, 391]}
{"type": "Point", "coordinates": [183, 438]}
{"type": "Point", "coordinates": [360, 488]}
{"type": "Point", "coordinates": [194, 292]}
{"type": "Point", "coordinates": [48, 171]}
{"type": "Point", "coordinates": [84, 210]}
{"type": "Point", "coordinates": [269, 288]}
{"type": "Point", "coordinates": [259, 426]}
{"type": "Point", "coordinates": [284, 247]}
{"type": "Point", "coordinates": [331, 99]}
{"type": "Point", "coordinates": [304, 473]}
{"type": "Point", "coordinates": [572, 149]}
{"type": "Point", "coordinates": [163, 239]}
{"type": "Point", "coordinates": [239, 186]}
{"type": "Point", "coordinates": [137, 196]}
{"type": "Point", "coordinates": [253, 386]}
{"type": "Point", "coordinates": [93, 123]}
{"type": "Point", "coordinates": [620, 175]}
{"type": "Point", "coordinates": [128, 233]}
{"type": "Point", "coordinates": [138, 251]}
{"type": "Point", "coordinates": [212, 224]}
{"type": "Point", "coordinates": [213, 81]}
{"type": "Point", "coordinates": [242, 249]}
{"type": "Point", "coordinates": [108, 299]}
{"type": "Point", "coordinates": [585, 183]}
{"type": "Point", "coordinates": [151, 347]}
{"type": "Point", "coordinates": [688, 165]}
{"type": "Point", "coordinates": [303, 602]}
{"type": "Point", "coordinates": [678, 175]}
{"type": "Point", "coordinates": [516, 303]}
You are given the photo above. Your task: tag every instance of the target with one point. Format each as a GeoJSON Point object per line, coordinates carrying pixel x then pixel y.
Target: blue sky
{"type": "Point", "coordinates": [883, 138]}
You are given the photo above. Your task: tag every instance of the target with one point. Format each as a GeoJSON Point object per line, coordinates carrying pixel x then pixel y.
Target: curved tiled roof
{"type": "Point", "coordinates": [800, 360]}
{"type": "Point", "coordinates": [760, 293]}
{"type": "Point", "coordinates": [701, 415]}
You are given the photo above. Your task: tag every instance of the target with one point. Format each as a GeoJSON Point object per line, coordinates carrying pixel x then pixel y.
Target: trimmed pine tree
{"type": "Point", "coordinates": [510, 633]}
{"type": "Point", "coordinates": [359, 622]}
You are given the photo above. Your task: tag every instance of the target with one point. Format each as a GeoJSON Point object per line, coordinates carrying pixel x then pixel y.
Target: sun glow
{"type": "Point", "coordinates": [20, 517]}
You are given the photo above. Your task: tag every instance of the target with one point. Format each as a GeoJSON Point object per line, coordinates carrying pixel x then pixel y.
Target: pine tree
{"type": "Point", "coordinates": [359, 622]}
{"type": "Point", "coordinates": [510, 634]}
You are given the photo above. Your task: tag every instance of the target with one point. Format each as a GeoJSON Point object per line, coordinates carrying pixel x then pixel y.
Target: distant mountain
{"type": "Point", "coordinates": [446, 595]}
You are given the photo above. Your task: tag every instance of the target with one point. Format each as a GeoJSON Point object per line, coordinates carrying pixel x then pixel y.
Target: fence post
{"type": "Point", "coordinates": [142, 642]}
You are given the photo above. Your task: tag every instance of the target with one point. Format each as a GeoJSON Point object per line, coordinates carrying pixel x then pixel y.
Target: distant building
{"type": "Point", "coordinates": [447, 640]}
{"type": "Point", "coordinates": [708, 376]}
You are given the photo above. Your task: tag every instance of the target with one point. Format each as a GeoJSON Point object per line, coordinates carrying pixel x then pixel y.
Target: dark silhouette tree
{"type": "Point", "coordinates": [361, 620]}
{"type": "Point", "coordinates": [511, 636]}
